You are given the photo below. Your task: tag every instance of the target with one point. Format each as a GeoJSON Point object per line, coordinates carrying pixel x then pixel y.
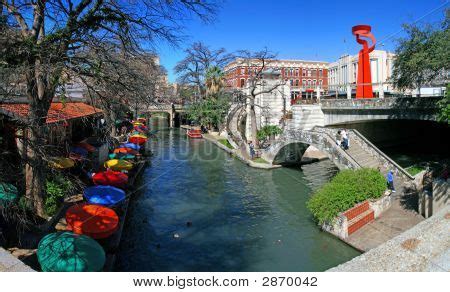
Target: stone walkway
{"type": "Point", "coordinates": [9, 263]}
{"type": "Point", "coordinates": [423, 248]}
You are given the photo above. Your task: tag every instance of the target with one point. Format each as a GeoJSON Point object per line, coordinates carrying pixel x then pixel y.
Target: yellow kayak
{"type": "Point", "coordinates": [139, 136]}
{"type": "Point", "coordinates": [138, 124]}
{"type": "Point", "coordinates": [118, 164]}
{"type": "Point", "coordinates": [61, 163]}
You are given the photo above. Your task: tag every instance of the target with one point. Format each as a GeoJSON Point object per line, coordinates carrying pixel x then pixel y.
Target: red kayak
{"type": "Point", "coordinates": [110, 178]}
{"type": "Point", "coordinates": [125, 150]}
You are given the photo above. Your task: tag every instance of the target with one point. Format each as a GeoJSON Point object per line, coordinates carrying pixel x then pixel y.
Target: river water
{"type": "Point", "coordinates": [243, 219]}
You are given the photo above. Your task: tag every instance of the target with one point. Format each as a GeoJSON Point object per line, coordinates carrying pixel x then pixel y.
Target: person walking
{"type": "Point", "coordinates": [339, 138]}
{"type": "Point", "coordinates": [390, 181]}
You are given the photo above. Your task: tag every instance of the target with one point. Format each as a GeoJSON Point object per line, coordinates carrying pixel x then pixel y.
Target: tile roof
{"type": "Point", "coordinates": [58, 111]}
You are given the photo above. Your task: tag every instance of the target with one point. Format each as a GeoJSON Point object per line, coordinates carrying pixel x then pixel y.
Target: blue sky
{"type": "Point", "coordinates": [297, 29]}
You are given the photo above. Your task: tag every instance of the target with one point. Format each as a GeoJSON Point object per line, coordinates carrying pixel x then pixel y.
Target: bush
{"type": "Point", "coordinates": [268, 131]}
{"type": "Point", "coordinates": [226, 143]}
{"type": "Point", "coordinates": [56, 189]}
{"type": "Point", "coordinates": [346, 189]}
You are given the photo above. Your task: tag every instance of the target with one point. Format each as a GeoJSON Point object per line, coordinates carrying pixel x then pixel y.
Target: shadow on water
{"type": "Point", "coordinates": [243, 219]}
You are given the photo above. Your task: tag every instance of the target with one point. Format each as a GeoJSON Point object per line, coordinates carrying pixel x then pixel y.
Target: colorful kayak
{"type": "Point", "coordinates": [79, 150]}
{"type": "Point", "coordinates": [69, 252]}
{"type": "Point", "coordinates": [121, 156]}
{"type": "Point", "coordinates": [8, 194]}
{"type": "Point", "coordinates": [110, 178]}
{"type": "Point", "coordinates": [61, 162]}
{"type": "Point", "coordinates": [104, 195]}
{"type": "Point", "coordinates": [93, 220]}
{"type": "Point", "coordinates": [86, 146]}
{"type": "Point", "coordinates": [118, 164]}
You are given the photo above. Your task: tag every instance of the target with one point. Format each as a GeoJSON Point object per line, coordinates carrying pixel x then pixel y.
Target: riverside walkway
{"type": "Point", "coordinates": [9, 263]}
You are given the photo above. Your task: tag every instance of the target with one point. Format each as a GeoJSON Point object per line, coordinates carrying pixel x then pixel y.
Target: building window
{"type": "Point", "coordinates": [296, 72]}
{"type": "Point", "coordinates": [297, 82]}
{"type": "Point", "coordinates": [309, 73]}
{"type": "Point", "coordinates": [291, 72]}
{"type": "Point", "coordinates": [304, 83]}
{"type": "Point", "coordinates": [314, 83]}
{"type": "Point", "coordinates": [320, 83]}
{"type": "Point", "coordinates": [314, 73]}
{"type": "Point", "coordinates": [291, 82]}
{"type": "Point", "coordinates": [309, 83]}
{"type": "Point", "coordinates": [242, 82]}
{"type": "Point", "coordinates": [320, 72]}
{"type": "Point", "coordinates": [303, 72]}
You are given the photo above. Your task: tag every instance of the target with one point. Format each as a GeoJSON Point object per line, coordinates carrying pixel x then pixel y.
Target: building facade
{"type": "Point", "coordinates": [302, 76]}
{"type": "Point", "coordinates": [344, 72]}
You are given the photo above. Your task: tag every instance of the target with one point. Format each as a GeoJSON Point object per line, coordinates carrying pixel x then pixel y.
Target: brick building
{"type": "Point", "coordinates": [303, 77]}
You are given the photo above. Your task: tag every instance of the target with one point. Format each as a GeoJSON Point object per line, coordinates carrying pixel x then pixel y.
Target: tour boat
{"type": "Point", "coordinates": [194, 133]}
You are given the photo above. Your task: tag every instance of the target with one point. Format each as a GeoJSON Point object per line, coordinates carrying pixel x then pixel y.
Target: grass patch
{"type": "Point", "coordinates": [346, 189]}
{"type": "Point", "coordinates": [415, 169]}
{"type": "Point", "coordinates": [226, 143]}
{"type": "Point", "coordinates": [260, 160]}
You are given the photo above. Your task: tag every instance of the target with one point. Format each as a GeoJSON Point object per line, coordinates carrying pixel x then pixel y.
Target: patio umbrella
{"type": "Point", "coordinates": [121, 156]}
{"type": "Point", "coordinates": [8, 194]}
{"type": "Point", "coordinates": [86, 146]}
{"type": "Point", "coordinates": [61, 162]}
{"type": "Point", "coordinates": [131, 145]}
{"type": "Point", "coordinates": [118, 164]}
{"type": "Point", "coordinates": [104, 195]}
{"type": "Point", "coordinates": [138, 139]}
{"type": "Point", "coordinates": [69, 252]}
{"type": "Point", "coordinates": [126, 150]}
{"type": "Point", "coordinates": [110, 178]}
{"type": "Point", "coordinates": [93, 220]}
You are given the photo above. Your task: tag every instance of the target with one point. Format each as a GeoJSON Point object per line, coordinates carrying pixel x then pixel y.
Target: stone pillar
{"type": "Point", "coordinates": [318, 93]}
{"type": "Point", "coordinates": [349, 91]}
{"type": "Point", "coordinates": [381, 90]}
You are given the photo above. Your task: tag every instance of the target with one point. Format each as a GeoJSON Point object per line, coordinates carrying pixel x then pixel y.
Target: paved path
{"type": "Point", "coordinates": [400, 217]}
{"type": "Point", "coordinates": [9, 263]}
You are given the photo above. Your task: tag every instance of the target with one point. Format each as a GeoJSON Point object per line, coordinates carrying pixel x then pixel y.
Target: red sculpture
{"type": "Point", "coordinates": [364, 83]}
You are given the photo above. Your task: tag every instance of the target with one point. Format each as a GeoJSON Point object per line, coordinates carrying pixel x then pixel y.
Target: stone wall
{"type": "Point", "coordinates": [307, 116]}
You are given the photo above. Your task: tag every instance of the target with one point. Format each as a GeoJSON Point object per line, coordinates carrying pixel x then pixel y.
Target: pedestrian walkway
{"type": "Point", "coordinates": [9, 263]}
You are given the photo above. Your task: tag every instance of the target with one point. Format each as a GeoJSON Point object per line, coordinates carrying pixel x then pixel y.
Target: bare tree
{"type": "Point", "coordinates": [44, 39]}
{"type": "Point", "coordinates": [199, 58]}
{"type": "Point", "coordinates": [258, 64]}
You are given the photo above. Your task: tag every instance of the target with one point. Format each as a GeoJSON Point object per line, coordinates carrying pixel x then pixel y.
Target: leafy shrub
{"type": "Point", "coordinates": [346, 189]}
{"type": "Point", "coordinates": [226, 143]}
{"type": "Point", "coordinates": [268, 131]}
{"type": "Point", "coordinates": [57, 187]}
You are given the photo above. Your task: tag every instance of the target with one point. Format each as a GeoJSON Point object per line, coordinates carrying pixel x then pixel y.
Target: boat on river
{"type": "Point", "coordinates": [194, 133]}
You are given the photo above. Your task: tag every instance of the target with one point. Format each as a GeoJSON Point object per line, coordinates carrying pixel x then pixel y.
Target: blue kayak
{"type": "Point", "coordinates": [104, 195]}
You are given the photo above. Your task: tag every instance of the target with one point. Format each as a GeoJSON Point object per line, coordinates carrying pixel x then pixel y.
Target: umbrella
{"type": "Point", "coordinates": [138, 139]}
{"type": "Point", "coordinates": [61, 162]}
{"type": "Point", "coordinates": [69, 252]}
{"type": "Point", "coordinates": [131, 146]}
{"type": "Point", "coordinates": [121, 156]}
{"type": "Point", "coordinates": [110, 178]}
{"type": "Point", "coordinates": [125, 150]}
{"type": "Point", "coordinates": [118, 164]}
{"type": "Point", "coordinates": [86, 146]}
{"type": "Point", "coordinates": [93, 220]}
{"type": "Point", "coordinates": [8, 193]}
{"type": "Point", "coordinates": [104, 195]}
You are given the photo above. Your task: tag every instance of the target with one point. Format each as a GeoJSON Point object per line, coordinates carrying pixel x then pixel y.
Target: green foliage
{"type": "Point", "coordinates": [260, 160]}
{"type": "Point", "coordinates": [56, 189]}
{"type": "Point", "coordinates": [346, 189]}
{"type": "Point", "coordinates": [268, 131]}
{"type": "Point", "coordinates": [210, 112]}
{"type": "Point", "coordinates": [422, 56]}
{"type": "Point", "coordinates": [444, 107]}
{"type": "Point", "coordinates": [415, 169]}
{"type": "Point", "coordinates": [226, 143]}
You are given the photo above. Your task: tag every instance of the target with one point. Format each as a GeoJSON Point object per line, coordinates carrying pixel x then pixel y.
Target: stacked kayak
{"type": "Point", "coordinates": [138, 139]}
{"type": "Point", "coordinates": [61, 163]}
{"type": "Point", "coordinates": [93, 220]}
{"type": "Point", "coordinates": [69, 252]}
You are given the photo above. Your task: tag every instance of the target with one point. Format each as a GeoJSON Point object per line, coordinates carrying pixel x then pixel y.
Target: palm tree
{"type": "Point", "coordinates": [214, 81]}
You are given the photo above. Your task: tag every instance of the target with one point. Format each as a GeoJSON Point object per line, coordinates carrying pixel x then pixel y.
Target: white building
{"type": "Point", "coordinates": [345, 71]}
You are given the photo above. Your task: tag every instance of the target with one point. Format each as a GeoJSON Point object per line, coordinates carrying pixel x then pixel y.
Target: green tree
{"type": "Point", "coordinates": [214, 81]}
{"type": "Point", "coordinates": [210, 112]}
{"type": "Point", "coordinates": [423, 56]}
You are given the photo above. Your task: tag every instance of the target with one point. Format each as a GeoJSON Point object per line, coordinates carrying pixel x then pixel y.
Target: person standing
{"type": "Point", "coordinates": [339, 138]}
{"type": "Point", "coordinates": [252, 149]}
{"type": "Point", "coordinates": [344, 139]}
{"type": "Point", "coordinates": [390, 181]}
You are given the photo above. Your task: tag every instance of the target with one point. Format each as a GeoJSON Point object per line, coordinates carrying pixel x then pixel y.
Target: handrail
{"type": "Point", "coordinates": [381, 153]}
{"type": "Point", "coordinates": [337, 147]}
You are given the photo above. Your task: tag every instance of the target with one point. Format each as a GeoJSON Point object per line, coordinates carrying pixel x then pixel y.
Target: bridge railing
{"type": "Point", "coordinates": [380, 103]}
